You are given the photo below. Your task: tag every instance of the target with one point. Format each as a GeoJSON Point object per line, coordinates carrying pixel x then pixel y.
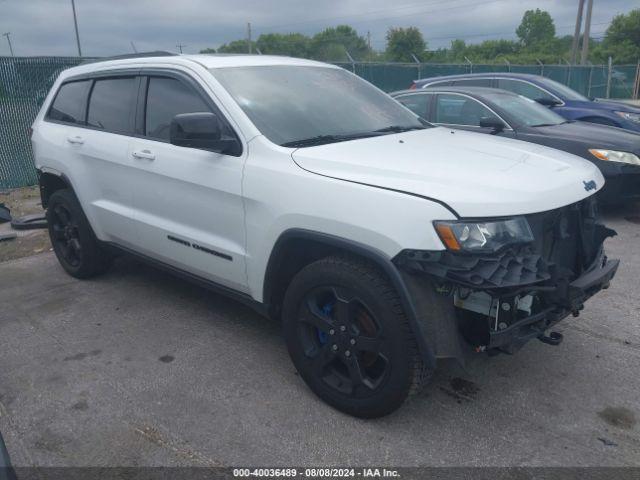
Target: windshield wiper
{"type": "Point", "coordinates": [548, 124]}
{"type": "Point", "coordinates": [400, 128]}
{"type": "Point", "coordinates": [324, 139]}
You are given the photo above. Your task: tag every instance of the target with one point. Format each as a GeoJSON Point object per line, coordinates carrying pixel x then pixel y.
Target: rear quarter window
{"type": "Point", "coordinates": [69, 104]}
{"type": "Point", "coordinates": [418, 103]}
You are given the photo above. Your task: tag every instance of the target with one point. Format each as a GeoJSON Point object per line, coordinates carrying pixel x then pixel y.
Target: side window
{"type": "Point", "coordinates": [473, 82]}
{"type": "Point", "coordinates": [525, 89]}
{"type": "Point", "coordinates": [460, 110]}
{"type": "Point", "coordinates": [111, 104]}
{"type": "Point", "coordinates": [166, 98]}
{"type": "Point", "coordinates": [70, 103]}
{"type": "Point", "coordinates": [418, 103]}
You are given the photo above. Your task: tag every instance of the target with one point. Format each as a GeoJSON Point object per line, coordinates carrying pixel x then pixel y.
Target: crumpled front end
{"type": "Point", "coordinates": [504, 299]}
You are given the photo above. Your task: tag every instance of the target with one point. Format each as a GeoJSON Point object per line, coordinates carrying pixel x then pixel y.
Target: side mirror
{"type": "Point", "coordinates": [548, 102]}
{"type": "Point", "coordinates": [491, 122]}
{"type": "Point", "coordinates": [201, 130]}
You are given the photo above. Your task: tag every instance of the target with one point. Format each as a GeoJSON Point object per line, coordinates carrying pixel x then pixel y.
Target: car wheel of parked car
{"type": "Point", "coordinates": [72, 238]}
{"type": "Point", "coordinates": [349, 338]}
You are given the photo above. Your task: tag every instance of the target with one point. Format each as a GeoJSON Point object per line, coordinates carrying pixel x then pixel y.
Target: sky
{"type": "Point", "coordinates": [108, 27]}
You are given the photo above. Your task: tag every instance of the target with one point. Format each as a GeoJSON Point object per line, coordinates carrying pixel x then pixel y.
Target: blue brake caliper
{"type": "Point", "coordinates": [326, 310]}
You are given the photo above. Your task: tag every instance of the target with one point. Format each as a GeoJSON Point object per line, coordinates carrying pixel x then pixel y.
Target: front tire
{"type": "Point", "coordinates": [72, 238]}
{"type": "Point", "coordinates": [349, 338]}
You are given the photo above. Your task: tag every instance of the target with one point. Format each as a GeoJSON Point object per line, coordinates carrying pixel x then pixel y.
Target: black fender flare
{"type": "Point", "coordinates": [372, 254]}
{"type": "Point", "coordinates": [42, 174]}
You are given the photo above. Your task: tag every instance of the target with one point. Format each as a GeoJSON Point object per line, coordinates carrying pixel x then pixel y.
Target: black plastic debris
{"type": "Point", "coordinates": [5, 213]}
{"type": "Point", "coordinates": [7, 236]}
{"type": "Point", "coordinates": [607, 442]}
{"type": "Point", "coordinates": [29, 222]}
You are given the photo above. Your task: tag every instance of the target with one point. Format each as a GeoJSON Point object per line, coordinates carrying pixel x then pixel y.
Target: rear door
{"type": "Point", "coordinates": [189, 201]}
{"type": "Point", "coordinates": [106, 183]}
{"type": "Point", "coordinates": [87, 128]}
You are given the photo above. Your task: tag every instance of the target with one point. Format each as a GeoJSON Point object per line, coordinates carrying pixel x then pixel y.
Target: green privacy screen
{"type": "Point", "coordinates": [25, 81]}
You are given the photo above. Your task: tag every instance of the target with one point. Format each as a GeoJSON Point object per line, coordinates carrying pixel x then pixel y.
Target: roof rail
{"type": "Point", "coordinates": [158, 53]}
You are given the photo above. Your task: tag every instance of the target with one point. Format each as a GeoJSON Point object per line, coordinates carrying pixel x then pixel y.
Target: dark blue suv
{"type": "Point", "coordinates": [562, 99]}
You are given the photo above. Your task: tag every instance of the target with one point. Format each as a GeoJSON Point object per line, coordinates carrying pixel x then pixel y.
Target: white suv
{"type": "Point", "coordinates": [382, 242]}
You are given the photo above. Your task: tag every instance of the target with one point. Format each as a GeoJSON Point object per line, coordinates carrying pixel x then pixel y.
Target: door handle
{"type": "Point", "coordinates": [143, 155]}
{"type": "Point", "coordinates": [76, 140]}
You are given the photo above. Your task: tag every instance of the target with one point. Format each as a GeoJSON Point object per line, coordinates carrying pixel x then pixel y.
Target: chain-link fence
{"type": "Point", "coordinates": [590, 80]}
{"type": "Point", "coordinates": [24, 84]}
{"type": "Point", "coordinates": [25, 81]}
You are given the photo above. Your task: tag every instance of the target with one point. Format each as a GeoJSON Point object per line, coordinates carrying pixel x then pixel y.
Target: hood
{"type": "Point", "coordinates": [592, 135]}
{"type": "Point", "coordinates": [476, 175]}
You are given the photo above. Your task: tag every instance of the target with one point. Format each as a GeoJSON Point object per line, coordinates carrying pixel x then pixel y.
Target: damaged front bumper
{"type": "Point", "coordinates": [501, 301]}
{"type": "Point", "coordinates": [511, 336]}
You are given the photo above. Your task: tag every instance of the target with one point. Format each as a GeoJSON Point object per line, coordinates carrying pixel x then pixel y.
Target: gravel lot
{"type": "Point", "coordinates": [139, 368]}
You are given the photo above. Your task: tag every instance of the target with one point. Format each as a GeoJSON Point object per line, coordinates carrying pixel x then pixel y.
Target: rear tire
{"type": "Point", "coordinates": [349, 338]}
{"type": "Point", "coordinates": [72, 238]}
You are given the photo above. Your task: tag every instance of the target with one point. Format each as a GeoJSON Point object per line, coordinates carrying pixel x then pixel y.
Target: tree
{"type": "Point", "coordinates": [624, 28]}
{"type": "Point", "coordinates": [291, 44]}
{"type": "Point", "coordinates": [458, 50]}
{"type": "Point", "coordinates": [402, 42]}
{"type": "Point", "coordinates": [332, 44]}
{"type": "Point", "coordinates": [208, 50]}
{"type": "Point", "coordinates": [622, 39]}
{"type": "Point", "coordinates": [536, 27]}
{"type": "Point", "coordinates": [237, 46]}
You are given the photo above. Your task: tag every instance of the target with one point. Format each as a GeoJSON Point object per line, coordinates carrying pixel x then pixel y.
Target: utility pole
{"type": "Point", "coordinates": [576, 33]}
{"type": "Point", "coordinates": [8, 34]}
{"type": "Point", "coordinates": [249, 37]}
{"type": "Point", "coordinates": [135, 50]}
{"type": "Point", "coordinates": [369, 39]}
{"type": "Point", "coordinates": [587, 31]}
{"type": "Point", "coordinates": [179, 46]}
{"type": "Point", "coordinates": [75, 23]}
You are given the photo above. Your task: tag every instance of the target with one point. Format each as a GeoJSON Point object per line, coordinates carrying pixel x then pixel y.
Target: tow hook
{"type": "Point", "coordinates": [554, 338]}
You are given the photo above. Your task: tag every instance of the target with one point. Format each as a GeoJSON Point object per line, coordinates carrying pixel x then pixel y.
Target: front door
{"type": "Point", "coordinates": [189, 201]}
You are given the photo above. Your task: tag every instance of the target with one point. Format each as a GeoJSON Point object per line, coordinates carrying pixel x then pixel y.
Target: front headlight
{"type": "Point", "coordinates": [632, 117]}
{"type": "Point", "coordinates": [614, 156]}
{"type": "Point", "coordinates": [483, 237]}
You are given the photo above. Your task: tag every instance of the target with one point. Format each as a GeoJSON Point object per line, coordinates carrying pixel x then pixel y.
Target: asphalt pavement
{"type": "Point", "coordinates": [138, 368]}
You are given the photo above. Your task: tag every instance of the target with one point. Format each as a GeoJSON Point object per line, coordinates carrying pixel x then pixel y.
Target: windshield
{"type": "Point", "coordinates": [525, 111]}
{"type": "Point", "coordinates": [305, 105]}
{"type": "Point", "coordinates": [563, 91]}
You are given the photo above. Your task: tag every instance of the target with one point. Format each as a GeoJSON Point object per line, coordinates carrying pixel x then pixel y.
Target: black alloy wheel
{"type": "Point", "coordinates": [349, 339]}
{"type": "Point", "coordinates": [74, 243]}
